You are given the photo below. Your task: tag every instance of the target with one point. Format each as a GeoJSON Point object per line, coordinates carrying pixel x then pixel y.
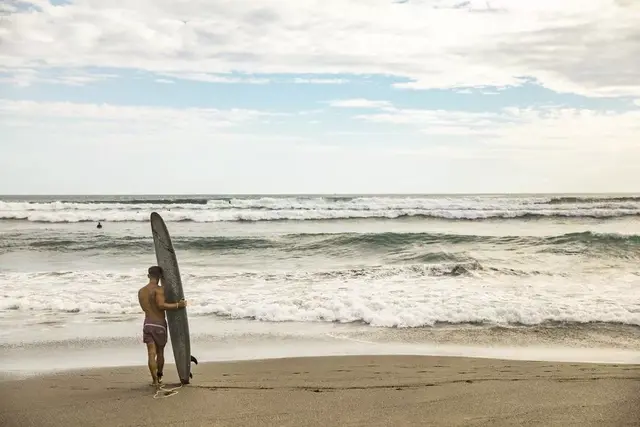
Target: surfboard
{"type": "Point", "coordinates": [172, 284]}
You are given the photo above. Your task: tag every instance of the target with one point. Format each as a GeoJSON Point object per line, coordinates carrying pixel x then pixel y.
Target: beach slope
{"type": "Point", "coordinates": [335, 391]}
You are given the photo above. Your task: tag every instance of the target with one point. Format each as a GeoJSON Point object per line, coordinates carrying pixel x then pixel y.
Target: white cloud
{"type": "Point", "coordinates": [112, 123]}
{"type": "Point", "coordinates": [531, 129]}
{"type": "Point", "coordinates": [24, 77]}
{"type": "Point", "coordinates": [164, 81]}
{"type": "Point", "coordinates": [94, 148]}
{"type": "Point", "coordinates": [574, 46]}
{"type": "Point", "coordinates": [217, 78]}
{"type": "Point", "coordinates": [300, 80]}
{"type": "Point", "coordinates": [359, 103]}
{"type": "Point", "coordinates": [122, 112]}
{"type": "Point", "coordinates": [539, 129]}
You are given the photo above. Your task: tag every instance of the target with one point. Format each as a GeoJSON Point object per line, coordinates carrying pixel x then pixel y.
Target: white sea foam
{"type": "Point", "coordinates": [404, 300]}
{"type": "Point", "coordinates": [317, 208]}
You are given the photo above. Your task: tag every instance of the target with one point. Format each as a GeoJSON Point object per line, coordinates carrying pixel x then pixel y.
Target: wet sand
{"type": "Point", "coordinates": [335, 391]}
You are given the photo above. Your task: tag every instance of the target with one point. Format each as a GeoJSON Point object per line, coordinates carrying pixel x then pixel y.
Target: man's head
{"type": "Point", "coordinates": [155, 273]}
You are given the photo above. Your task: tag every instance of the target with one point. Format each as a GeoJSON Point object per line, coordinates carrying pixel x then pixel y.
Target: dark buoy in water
{"type": "Point", "coordinates": [99, 225]}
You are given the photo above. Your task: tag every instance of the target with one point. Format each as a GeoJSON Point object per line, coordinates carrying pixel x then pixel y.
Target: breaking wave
{"type": "Point", "coordinates": [203, 209]}
{"type": "Point", "coordinates": [405, 296]}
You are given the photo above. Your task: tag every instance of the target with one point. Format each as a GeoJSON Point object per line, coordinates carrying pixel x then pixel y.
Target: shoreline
{"type": "Point", "coordinates": [367, 390]}
{"type": "Point", "coordinates": [22, 363]}
{"type": "Point", "coordinates": [120, 344]}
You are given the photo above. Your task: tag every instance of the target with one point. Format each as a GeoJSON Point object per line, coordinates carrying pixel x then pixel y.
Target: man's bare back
{"type": "Point", "coordinates": [148, 302]}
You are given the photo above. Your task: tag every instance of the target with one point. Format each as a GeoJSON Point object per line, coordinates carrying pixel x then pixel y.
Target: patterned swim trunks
{"type": "Point", "coordinates": [154, 331]}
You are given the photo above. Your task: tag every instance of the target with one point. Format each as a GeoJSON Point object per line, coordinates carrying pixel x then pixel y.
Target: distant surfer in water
{"type": "Point", "coordinates": [99, 225]}
{"type": "Point", "coordinates": [154, 329]}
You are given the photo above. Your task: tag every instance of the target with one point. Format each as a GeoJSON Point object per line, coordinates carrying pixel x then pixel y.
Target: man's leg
{"type": "Point", "coordinates": [153, 365]}
{"type": "Point", "coordinates": [160, 361]}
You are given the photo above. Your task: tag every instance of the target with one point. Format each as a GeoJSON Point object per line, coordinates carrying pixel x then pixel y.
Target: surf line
{"type": "Point", "coordinates": [166, 392]}
{"type": "Point", "coordinates": [329, 334]}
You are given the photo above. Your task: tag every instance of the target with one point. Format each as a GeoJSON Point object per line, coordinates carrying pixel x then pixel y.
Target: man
{"type": "Point", "coordinates": [154, 329]}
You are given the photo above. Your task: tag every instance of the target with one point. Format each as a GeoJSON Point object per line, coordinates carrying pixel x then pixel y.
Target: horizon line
{"type": "Point", "coordinates": [319, 194]}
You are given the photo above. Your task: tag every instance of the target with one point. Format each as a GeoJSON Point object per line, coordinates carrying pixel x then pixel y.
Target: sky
{"type": "Point", "coordinates": [319, 96]}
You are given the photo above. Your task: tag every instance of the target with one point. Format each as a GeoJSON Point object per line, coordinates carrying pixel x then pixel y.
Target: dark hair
{"type": "Point", "coordinates": [155, 272]}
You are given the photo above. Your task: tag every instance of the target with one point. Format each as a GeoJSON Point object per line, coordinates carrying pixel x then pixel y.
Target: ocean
{"type": "Point", "coordinates": [305, 275]}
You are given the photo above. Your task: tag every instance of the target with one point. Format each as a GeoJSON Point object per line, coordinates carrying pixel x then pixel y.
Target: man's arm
{"type": "Point", "coordinates": [162, 304]}
{"type": "Point", "coordinates": [140, 300]}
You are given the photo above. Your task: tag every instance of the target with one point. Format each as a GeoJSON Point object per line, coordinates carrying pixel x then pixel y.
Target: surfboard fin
{"type": "Point", "coordinates": [193, 360]}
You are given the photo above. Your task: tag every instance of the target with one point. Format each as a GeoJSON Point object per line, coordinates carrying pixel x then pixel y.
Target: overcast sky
{"type": "Point", "coordinates": [319, 96]}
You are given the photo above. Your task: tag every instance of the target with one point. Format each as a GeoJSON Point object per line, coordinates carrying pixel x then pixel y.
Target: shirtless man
{"type": "Point", "coordinates": [154, 329]}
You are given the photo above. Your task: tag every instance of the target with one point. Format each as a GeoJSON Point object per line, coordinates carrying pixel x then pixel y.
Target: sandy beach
{"type": "Point", "coordinates": [332, 391]}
